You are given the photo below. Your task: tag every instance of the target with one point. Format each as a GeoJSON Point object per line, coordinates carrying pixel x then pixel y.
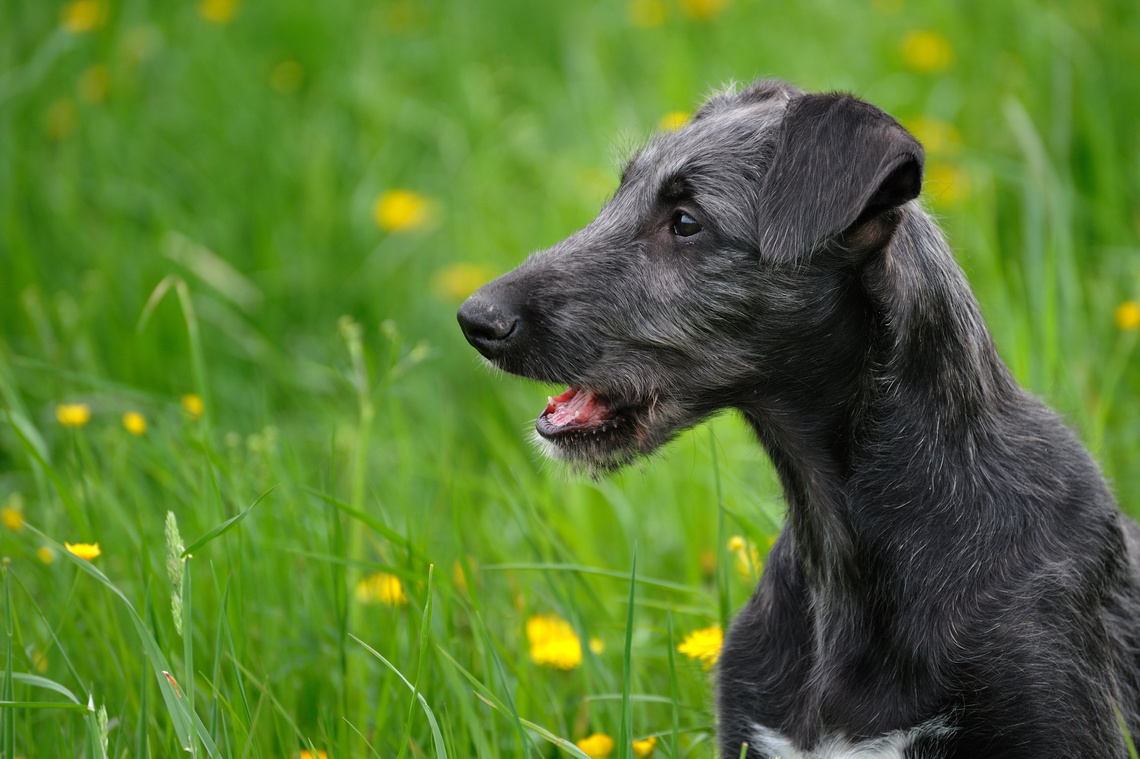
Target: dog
{"type": "Point", "coordinates": [954, 579]}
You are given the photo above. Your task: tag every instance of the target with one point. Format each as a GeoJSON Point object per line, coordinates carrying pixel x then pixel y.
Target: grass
{"type": "Point", "coordinates": [187, 207]}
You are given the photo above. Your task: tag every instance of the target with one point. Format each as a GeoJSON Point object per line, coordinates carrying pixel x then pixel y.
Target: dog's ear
{"type": "Point", "coordinates": [838, 161]}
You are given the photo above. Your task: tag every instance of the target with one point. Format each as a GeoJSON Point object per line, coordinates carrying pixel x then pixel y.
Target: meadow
{"type": "Point", "coordinates": [233, 236]}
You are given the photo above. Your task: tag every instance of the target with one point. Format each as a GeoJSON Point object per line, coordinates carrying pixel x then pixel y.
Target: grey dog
{"type": "Point", "coordinates": [954, 579]}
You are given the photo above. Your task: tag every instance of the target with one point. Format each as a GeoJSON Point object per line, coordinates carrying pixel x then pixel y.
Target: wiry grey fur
{"type": "Point", "coordinates": [954, 579]}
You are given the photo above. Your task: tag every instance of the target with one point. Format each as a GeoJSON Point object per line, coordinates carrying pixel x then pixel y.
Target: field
{"type": "Point", "coordinates": [233, 237]}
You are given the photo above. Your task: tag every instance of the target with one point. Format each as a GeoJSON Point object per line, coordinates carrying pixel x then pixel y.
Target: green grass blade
{"type": "Point", "coordinates": [436, 735]}
{"type": "Point", "coordinates": [26, 432]}
{"type": "Point", "coordinates": [8, 687]}
{"type": "Point", "coordinates": [181, 715]}
{"type": "Point", "coordinates": [11, 707]}
{"type": "Point", "coordinates": [225, 526]}
{"type": "Point", "coordinates": [586, 570]}
{"type": "Point", "coordinates": [368, 520]}
{"type": "Point", "coordinates": [425, 631]}
{"type": "Point", "coordinates": [42, 682]}
{"type": "Point", "coordinates": [674, 691]}
{"type": "Point", "coordinates": [625, 739]}
{"type": "Point", "coordinates": [188, 649]}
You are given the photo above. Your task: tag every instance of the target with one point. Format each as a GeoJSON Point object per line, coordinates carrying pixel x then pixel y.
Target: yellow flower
{"type": "Point", "coordinates": [12, 518]}
{"type": "Point", "coordinates": [73, 414]}
{"type": "Point", "coordinates": [134, 422]}
{"type": "Point", "coordinates": [702, 9]}
{"type": "Point", "coordinates": [936, 136]}
{"type": "Point", "coordinates": [81, 16]}
{"type": "Point", "coordinates": [644, 747]}
{"type": "Point", "coordinates": [84, 550]}
{"type": "Point", "coordinates": [553, 643]}
{"type": "Point", "coordinates": [672, 121]}
{"type": "Point", "coordinates": [192, 404]}
{"type": "Point", "coordinates": [39, 661]}
{"type": "Point", "coordinates": [597, 645]}
{"type": "Point", "coordinates": [286, 77]}
{"type": "Point", "coordinates": [305, 754]}
{"type": "Point", "coordinates": [402, 211]}
{"type": "Point", "coordinates": [45, 554]}
{"type": "Point", "coordinates": [1128, 315]}
{"type": "Point", "coordinates": [928, 52]}
{"type": "Point", "coordinates": [459, 280]}
{"type": "Point", "coordinates": [748, 563]}
{"type": "Point", "coordinates": [646, 14]}
{"type": "Point", "coordinates": [703, 644]}
{"type": "Point", "coordinates": [597, 746]}
{"type": "Point", "coordinates": [946, 182]}
{"type": "Point", "coordinates": [12, 513]}
{"type": "Point", "coordinates": [94, 83]}
{"type": "Point", "coordinates": [381, 588]}
{"type": "Point", "coordinates": [217, 11]}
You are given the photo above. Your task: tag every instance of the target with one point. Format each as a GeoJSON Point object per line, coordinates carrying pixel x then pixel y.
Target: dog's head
{"type": "Point", "coordinates": [717, 276]}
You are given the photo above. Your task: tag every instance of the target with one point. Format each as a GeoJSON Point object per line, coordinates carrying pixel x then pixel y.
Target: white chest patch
{"type": "Point", "coordinates": [892, 745]}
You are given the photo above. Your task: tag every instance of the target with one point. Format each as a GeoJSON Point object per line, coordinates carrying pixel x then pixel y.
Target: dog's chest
{"type": "Point", "coordinates": [771, 743]}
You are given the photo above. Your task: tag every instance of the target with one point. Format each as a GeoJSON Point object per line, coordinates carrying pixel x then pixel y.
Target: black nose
{"type": "Point", "coordinates": [486, 325]}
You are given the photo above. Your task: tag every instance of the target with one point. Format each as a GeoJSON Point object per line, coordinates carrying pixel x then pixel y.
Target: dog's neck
{"type": "Point", "coordinates": [920, 379]}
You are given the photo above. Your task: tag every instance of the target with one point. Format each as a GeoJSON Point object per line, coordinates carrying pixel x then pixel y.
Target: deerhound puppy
{"type": "Point", "coordinates": [954, 580]}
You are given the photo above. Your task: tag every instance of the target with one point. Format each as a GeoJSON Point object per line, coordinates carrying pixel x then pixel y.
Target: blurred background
{"type": "Point", "coordinates": [233, 236]}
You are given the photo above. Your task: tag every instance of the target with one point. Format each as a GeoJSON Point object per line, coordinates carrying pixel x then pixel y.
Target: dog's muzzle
{"type": "Point", "coordinates": [488, 326]}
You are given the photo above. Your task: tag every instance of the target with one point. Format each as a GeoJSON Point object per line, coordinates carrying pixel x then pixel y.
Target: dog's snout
{"type": "Point", "coordinates": [487, 325]}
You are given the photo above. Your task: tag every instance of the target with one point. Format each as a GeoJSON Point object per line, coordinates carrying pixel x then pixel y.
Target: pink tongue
{"type": "Point", "coordinates": [576, 407]}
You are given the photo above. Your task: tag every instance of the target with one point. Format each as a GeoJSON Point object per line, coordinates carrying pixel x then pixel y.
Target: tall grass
{"type": "Point", "coordinates": [187, 207]}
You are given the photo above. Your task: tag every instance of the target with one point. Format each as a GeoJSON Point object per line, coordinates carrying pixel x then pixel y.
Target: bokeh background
{"type": "Point", "coordinates": [233, 236]}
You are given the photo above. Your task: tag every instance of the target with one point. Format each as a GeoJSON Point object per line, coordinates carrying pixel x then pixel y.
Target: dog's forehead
{"type": "Point", "coordinates": [728, 136]}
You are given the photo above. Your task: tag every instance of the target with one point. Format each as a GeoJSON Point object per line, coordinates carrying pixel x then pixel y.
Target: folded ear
{"type": "Point", "coordinates": [838, 161]}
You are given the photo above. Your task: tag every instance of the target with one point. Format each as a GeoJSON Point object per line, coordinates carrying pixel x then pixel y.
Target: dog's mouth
{"type": "Point", "coordinates": [577, 412]}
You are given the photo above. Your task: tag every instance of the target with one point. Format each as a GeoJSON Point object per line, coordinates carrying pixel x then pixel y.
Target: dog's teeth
{"type": "Point", "coordinates": [576, 415]}
{"type": "Point", "coordinates": [549, 400]}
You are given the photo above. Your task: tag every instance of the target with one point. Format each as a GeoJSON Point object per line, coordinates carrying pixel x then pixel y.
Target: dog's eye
{"type": "Point", "coordinates": [685, 225]}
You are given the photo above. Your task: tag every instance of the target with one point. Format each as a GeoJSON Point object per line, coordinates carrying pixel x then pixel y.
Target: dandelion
{"type": "Point", "coordinates": [12, 513]}
{"type": "Point", "coordinates": [459, 280]}
{"type": "Point", "coordinates": [286, 77]}
{"type": "Point", "coordinates": [702, 10]}
{"type": "Point", "coordinates": [86, 551]}
{"type": "Point", "coordinates": [94, 83]}
{"type": "Point", "coordinates": [672, 121]}
{"type": "Point", "coordinates": [381, 588]}
{"type": "Point", "coordinates": [597, 645]}
{"type": "Point", "coordinates": [597, 746]}
{"type": "Point", "coordinates": [318, 754]}
{"type": "Point", "coordinates": [646, 14]}
{"type": "Point", "coordinates": [644, 747]}
{"type": "Point", "coordinates": [553, 643]}
{"type": "Point", "coordinates": [217, 11]}
{"type": "Point", "coordinates": [402, 211]}
{"type": "Point", "coordinates": [39, 660]}
{"type": "Point", "coordinates": [703, 645]}
{"type": "Point", "coordinates": [81, 16]}
{"type": "Point", "coordinates": [73, 414]}
{"type": "Point", "coordinates": [927, 52]}
{"type": "Point", "coordinates": [192, 405]}
{"type": "Point", "coordinates": [45, 554]}
{"type": "Point", "coordinates": [1128, 315]}
{"type": "Point", "coordinates": [134, 422]}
